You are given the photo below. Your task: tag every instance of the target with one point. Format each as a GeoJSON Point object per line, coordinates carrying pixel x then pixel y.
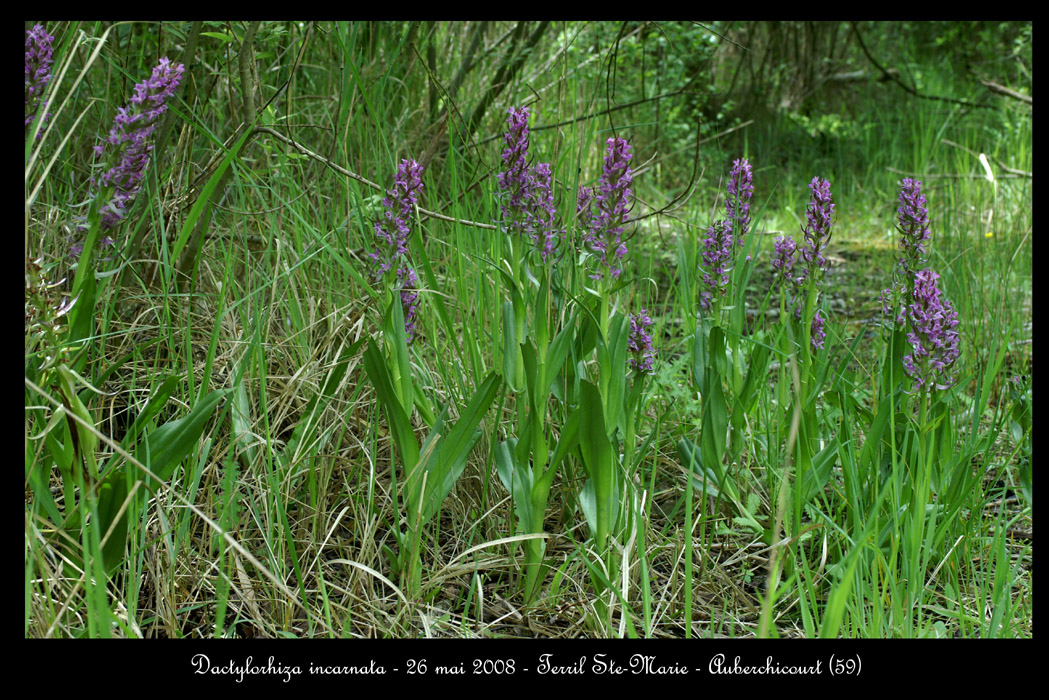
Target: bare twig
{"type": "Point", "coordinates": [363, 180]}
{"type": "Point", "coordinates": [952, 176]}
{"type": "Point", "coordinates": [889, 76]}
{"type": "Point", "coordinates": [1008, 92]}
{"type": "Point", "coordinates": [590, 115]}
{"type": "Point", "coordinates": [1003, 166]}
{"type": "Point", "coordinates": [680, 200]}
{"type": "Point", "coordinates": [722, 37]}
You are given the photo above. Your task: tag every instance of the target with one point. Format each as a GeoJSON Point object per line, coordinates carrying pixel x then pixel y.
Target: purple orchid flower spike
{"type": "Point", "coordinates": [39, 55]}
{"type": "Point", "coordinates": [395, 227]}
{"type": "Point", "coordinates": [612, 202]}
{"type": "Point", "coordinates": [934, 338]}
{"type": "Point", "coordinates": [639, 343]}
{"type": "Point", "coordinates": [740, 191]}
{"type": "Point", "coordinates": [128, 147]}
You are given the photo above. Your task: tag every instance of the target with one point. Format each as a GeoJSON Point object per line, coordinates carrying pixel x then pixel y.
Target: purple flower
{"type": "Point", "coordinates": [912, 218]}
{"type": "Point", "coordinates": [516, 180]}
{"type": "Point", "coordinates": [717, 259]}
{"type": "Point", "coordinates": [583, 200]}
{"type": "Point", "coordinates": [783, 258]}
{"type": "Point", "coordinates": [639, 343]}
{"type": "Point", "coordinates": [393, 230]}
{"type": "Point", "coordinates": [817, 230]}
{"type": "Point", "coordinates": [737, 204]}
{"type": "Point", "coordinates": [795, 277]}
{"type": "Point", "coordinates": [527, 194]}
{"type": "Point", "coordinates": [612, 203]}
{"type": "Point", "coordinates": [39, 55]}
{"type": "Point", "coordinates": [816, 333]}
{"type": "Point", "coordinates": [542, 215]}
{"type": "Point", "coordinates": [409, 285]}
{"type": "Point", "coordinates": [719, 253]}
{"type": "Point", "coordinates": [890, 303]}
{"type": "Point", "coordinates": [818, 224]}
{"type": "Point", "coordinates": [128, 147]}
{"type": "Point", "coordinates": [935, 343]}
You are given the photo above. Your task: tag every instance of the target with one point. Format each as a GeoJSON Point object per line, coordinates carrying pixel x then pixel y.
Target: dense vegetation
{"type": "Point", "coordinates": [503, 329]}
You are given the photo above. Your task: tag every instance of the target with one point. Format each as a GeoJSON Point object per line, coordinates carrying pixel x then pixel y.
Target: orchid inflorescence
{"type": "Point", "coordinates": [737, 204]}
{"type": "Point", "coordinates": [912, 221]}
{"type": "Point", "coordinates": [725, 237]}
{"type": "Point", "coordinates": [39, 55]}
{"type": "Point", "coordinates": [392, 233]}
{"type": "Point", "coordinates": [126, 151]}
{"type": "Point", "coordinates": [795, 266]}
{"type": "Point", "coordinates": [934, 333]}
{"type": "Point", "coordinates": [527, 199]}
{"type": "Point", "coordinates": [717, 263]}
{"type": "Point", "coordinates": [639, 342]}
{"type": "Point", "coordinates": [395, 227]}
{"type": "Point", "coordinates": [609, 210]}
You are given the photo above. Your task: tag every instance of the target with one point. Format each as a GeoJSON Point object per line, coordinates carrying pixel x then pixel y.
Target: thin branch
{"type": "Point", "coordinates": [1003, 166]}
{"type": "Point", "coordinates": [583, 117]}
{"type": "Point", "coordinates": [722, 36]}
{"type": "Point", "coordinates": [1008, 92]}
{"type": "Point", "coordinates": [952, 176]}
{"type": "Point", "coordinates": [363, 180]}
{"type": "Point", "coordinates": [889, 76]}
{"type": "Point", "coordinates": [680, 200]}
